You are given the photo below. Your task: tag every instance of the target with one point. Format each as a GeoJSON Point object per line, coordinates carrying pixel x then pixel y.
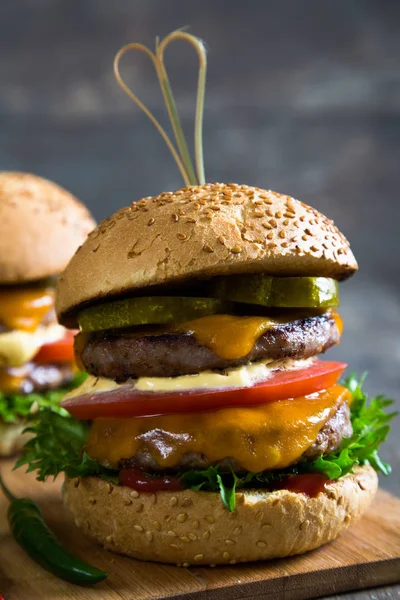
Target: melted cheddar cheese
{"type": "Point", "coordinates": [12, 380]}
{"type": "Point", "coordinates": [271, 436]}
{"type": "Point", "coordinates": [231, 337]}
{"type": "Point", "coordinates": [24, 309]}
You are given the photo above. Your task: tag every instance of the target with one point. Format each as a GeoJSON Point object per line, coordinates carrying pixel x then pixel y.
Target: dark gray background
{"type": "Point", "coordinates": [303, 98]}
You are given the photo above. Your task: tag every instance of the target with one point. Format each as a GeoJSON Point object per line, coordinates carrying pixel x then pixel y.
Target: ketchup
{"type": "Point", "coordinates": [310, 484]}
{"type": "Point", "coordinates": [137, 480]}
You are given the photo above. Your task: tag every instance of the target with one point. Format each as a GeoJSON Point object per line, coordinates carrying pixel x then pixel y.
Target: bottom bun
{"type": "Point", "coordinates": [12, 439]}
{"type": "Point", "coordinates": [194, 527]}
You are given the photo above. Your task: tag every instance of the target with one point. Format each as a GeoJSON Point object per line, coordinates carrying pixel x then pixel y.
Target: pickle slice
{"type": "Point", "coordinates": [154, 310]}
{"type": "Point", "coordinates": [280, 292]}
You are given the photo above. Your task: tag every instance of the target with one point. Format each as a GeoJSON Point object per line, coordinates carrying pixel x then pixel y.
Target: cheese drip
{"type": "Point", "coordinates": [231, 337]}
{"type": "Point", "coordinates": [271, 436]}
{"type": "Point", "coordinates": [24, 309]}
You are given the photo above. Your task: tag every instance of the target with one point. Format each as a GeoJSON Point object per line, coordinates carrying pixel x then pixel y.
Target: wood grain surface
{"type": "Point", "coordinates": [366, 556]}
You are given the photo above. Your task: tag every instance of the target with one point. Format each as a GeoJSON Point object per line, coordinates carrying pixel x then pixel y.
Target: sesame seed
{"type": "Point", "coordinates": [138, 527]}
{"type": "Point", "coordinates": [173, 501]}
{"type": "Point", "coordinates": [314, 249]}
{"type": "Point", "coordinates": [181, 518]}
{"type": "Point", "coordinates": [304, 524]}
{"type": "Point", "coordinates": [109, 539]}
{"type": "Point", "coordinates": [185, 565]}
{"type": "Point", "coordinates": [134, 494]}
{"type": "Point", "coordinates": [225, 555]}
{"type": "Point", "coordinates": [198, 557]}
{"type": "Point", "coordinates": [230, 542]}
{"type": "Point", "coordinates": [236, 249]}
{"type": "Point", "coordinates": [270, 235]}
{"type": "Point", "coordinates": [259, 515]}
{"type": "Point", "coordinates": [156, 525]}
{"type": "Point", "coordinates": [272, 222]}
{"type": "Point", "coordinates": [185, 539]}
{"type": "Point", "coordinates": [210, 519]}
{"type": "Point", "coordinates": [237, 531]}
{"type": "Point", "coordinates": [207, 248]}
{"type": "Point", "coordinates": [232, 562]}
{"type": "Point", "coordinates": [278, 214]}
{"type": "Point", "coordinates": [175, 546]}
{"type": "Point", "coordinates": [169, 518]}
{"type": "Point", "coordinates": [284, 244]}
{"type": "Point", "coordinates": [149, 536]}
{"type": "Point", "coordinates": [304, 237]}
{"type": "Point", "coordinates": [172, 533]}
{"type": "Point", "coordinates": [181, 236]}
{"type": "Point", "coordinates": [127, 502]}
{"type": "Point", "coordinates": [186, 502]}
{"type": "Point", "coordinates": [282, 234]}
{"type": "Point", "coordinates": [258, 213]}
{"type": "Point", "coordinates": [151, 221]}
{"type": "Point", "coordinates": [192, 536]}
{"type": "Point", "coordinates": [206, 535]}
{"type": "Point", "coordinates": [266, 526]}
{"type": "Point", "coordinates": [175, 217]}
{"type": "Point", "coordinates": [260, 544]}
{"type": "Point", "coordinates": [190, 220]}
{"type": "Point", "coordinates": [195, 524]}
{"type": "Point", "coordinates": [286, 222]}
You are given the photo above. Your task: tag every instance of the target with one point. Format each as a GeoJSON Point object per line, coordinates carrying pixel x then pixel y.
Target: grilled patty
{"type": "Point", "coordinates": [328, 440]}
{"type": "Point", "coordinates": [40, 378]}
{"type": "Point", "coordinates": [121, 354]}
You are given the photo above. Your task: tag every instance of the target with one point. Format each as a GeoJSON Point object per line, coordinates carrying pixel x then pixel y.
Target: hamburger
{"type": "Point", "coordinates": [41, 225]}
{"type": "Point", "coordinates": [208, 431]}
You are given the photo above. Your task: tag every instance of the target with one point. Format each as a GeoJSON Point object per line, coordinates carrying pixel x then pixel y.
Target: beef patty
{"type": "Point", "coordinates": [328, 440]}
{"type": "Point", "coordinates": [40, 378]}
{"type": "Point", "coordinates": [122, 354]}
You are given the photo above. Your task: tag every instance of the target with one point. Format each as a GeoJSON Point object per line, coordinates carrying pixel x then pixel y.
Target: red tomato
{"type": "Point", "coordinates": [60, 351]}
{"type": "Point", "coordinates": [126, 402]}
{"type": "Point", "coordinates": [310, 484]}
{"type": "Point", "coordinates": [134, 478]}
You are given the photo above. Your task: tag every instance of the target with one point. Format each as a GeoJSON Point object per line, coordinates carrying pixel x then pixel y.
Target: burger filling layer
{"type": "Point", "coordinates": [271, 436]}
{"type": "Point", "coordinates": [209, 343]}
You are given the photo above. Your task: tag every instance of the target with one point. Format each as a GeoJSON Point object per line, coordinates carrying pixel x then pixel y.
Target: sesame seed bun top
{"type": "Point", "coordinates": [41, 226]}
{"type": "Point", "coordinates": [201, 231]}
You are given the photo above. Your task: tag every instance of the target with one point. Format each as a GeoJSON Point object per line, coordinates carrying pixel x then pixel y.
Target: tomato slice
{"type": "Point", "coordinates": [60, 351]}
{"type": "Point", "coordinates": [126, 402]}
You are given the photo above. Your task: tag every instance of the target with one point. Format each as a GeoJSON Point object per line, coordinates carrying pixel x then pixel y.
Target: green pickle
{"type": "Point", "coordinates": [155, 310]}
{"type": "Point", "coordinates": [279, 292]}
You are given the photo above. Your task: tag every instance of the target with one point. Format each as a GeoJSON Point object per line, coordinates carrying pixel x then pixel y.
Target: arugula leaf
{"type": "Point", "coordinates": [13, 407]}
{"type": "Point", "coordinates": [57, 446]}
{"type": "Point", "coordinates": [370, 429]}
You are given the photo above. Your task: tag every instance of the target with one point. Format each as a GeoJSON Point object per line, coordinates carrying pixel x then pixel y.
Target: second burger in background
{"type": "Point", "coordinates": [41, 226]}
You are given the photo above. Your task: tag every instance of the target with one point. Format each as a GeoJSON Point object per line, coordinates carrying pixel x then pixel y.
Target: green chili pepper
{"type": "Point", "coordinates": [32, 534]}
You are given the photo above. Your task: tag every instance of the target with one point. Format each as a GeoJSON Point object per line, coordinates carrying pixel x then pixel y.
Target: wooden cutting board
{"type": "Point", "coordinates": [366, 556]}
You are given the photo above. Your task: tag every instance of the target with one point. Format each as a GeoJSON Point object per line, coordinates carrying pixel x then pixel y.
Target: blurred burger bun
{"type": "Point", "coordinates": [41, 226]}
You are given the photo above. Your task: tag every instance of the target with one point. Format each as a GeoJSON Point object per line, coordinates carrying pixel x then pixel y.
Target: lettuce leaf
{"type": "Point", "coordinates": [57, 447]}
{"type": "Point", "coordinates": [14, 407]}
{"type": "Point", "coordinates": [59, 440]}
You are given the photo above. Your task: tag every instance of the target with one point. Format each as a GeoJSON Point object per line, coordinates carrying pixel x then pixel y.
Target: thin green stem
{"type": "Point", "coordinates": [144, 108]}
{"type": "Point", "coordinates": [6, 491]}
{"type": "Point", "coordinates": [201, 86]}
